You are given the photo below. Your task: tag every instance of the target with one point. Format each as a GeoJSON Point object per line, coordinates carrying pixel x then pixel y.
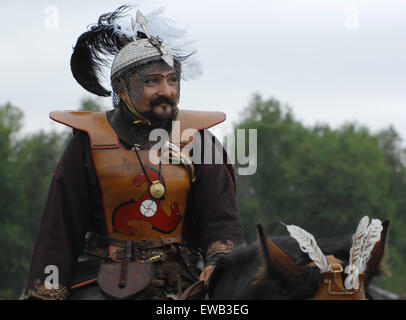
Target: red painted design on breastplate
{"type": "Point", "coordinates": [153, 212]}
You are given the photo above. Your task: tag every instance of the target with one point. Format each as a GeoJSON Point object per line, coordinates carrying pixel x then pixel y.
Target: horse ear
{"type": "Point", "coordinates": [277, 262]}
{"type": "Point", "coordinates": [377, 254]}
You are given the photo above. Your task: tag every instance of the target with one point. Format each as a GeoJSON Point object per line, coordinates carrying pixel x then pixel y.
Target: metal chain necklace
{"type": "Point", "coordinates": [157, 189]}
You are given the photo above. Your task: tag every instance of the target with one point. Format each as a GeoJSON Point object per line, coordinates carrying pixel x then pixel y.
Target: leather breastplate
{"type": "Point", "coordinates": [131, 213]}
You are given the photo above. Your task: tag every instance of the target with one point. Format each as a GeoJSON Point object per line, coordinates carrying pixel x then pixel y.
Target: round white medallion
{"type": "Point", "coordinates": [148, 208]}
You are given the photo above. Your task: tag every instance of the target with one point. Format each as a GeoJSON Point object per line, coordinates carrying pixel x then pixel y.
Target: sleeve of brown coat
{"type": "Point", "coordinates": [212, 204]}
{"type": "Point", "coordinates": [63, 225]}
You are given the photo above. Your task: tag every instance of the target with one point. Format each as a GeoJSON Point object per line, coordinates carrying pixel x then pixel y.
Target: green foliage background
{"type": "Point", "coordinates": [324, 180]}
{"type": "Point", "coordinates": [319, 178]}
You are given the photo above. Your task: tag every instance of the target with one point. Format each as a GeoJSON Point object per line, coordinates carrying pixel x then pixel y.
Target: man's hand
{"type": "Point", "coordinates": [205, 275]}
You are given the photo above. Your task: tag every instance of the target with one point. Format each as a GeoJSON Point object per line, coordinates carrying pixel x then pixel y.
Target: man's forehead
{"type": "Point", "coordinates": [160, 68]}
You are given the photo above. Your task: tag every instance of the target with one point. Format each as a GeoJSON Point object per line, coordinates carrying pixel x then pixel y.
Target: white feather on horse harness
{"type": "Point", "coordinates": [308, 244]}
{"type": "Point", "coordinates": [364, 240]}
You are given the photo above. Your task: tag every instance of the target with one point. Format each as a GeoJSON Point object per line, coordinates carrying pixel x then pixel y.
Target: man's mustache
{"type": "Point", "coordinates": [162, 99]}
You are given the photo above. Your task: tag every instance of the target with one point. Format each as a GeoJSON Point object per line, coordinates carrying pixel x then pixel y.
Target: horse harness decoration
{"type": "Point", "coordinates": [279, 269]}
{"type": "Point", "coordinates": [331, 285]}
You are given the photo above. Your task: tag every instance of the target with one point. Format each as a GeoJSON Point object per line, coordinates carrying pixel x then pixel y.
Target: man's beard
{"type": "Point", "coordinates": [161, 120]}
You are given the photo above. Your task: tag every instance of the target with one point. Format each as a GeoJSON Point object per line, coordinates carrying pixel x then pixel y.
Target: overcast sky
{"type": "Point", "coordinates": [331, 61]}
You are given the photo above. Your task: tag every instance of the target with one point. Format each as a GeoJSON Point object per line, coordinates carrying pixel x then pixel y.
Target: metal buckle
{"type": "Point", "coordinates": [155, 258]}
{"type": "Point", "coordinates": [336, 268]}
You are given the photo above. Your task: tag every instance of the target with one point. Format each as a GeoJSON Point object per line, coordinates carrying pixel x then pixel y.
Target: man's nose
{"type": "Point", "coordinates": [165, 89]}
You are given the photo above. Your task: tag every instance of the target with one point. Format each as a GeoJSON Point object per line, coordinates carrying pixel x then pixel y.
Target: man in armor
{"type": "Point", "coordinates": [117, 223]}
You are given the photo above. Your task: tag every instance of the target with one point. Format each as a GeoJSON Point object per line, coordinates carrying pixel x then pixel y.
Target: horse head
{"type": "Point", "coordinates": [282, 269]}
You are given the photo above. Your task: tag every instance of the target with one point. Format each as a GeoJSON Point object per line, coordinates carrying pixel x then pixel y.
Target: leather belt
{"type": "Point", "coordinates": [98, 245]}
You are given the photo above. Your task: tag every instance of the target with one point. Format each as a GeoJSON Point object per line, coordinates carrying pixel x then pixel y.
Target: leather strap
{"type": "Point", "coordinates": [98, 245]}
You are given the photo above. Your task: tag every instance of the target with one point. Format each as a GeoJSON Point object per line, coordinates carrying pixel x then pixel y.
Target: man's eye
{"type": "Point", "coordinates": [151, 81]}
{"type": "Point", "coordinates": [173, 80]}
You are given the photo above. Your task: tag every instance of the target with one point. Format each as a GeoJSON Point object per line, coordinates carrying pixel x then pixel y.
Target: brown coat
{"type": "Point", "coordinates": [74, 206]}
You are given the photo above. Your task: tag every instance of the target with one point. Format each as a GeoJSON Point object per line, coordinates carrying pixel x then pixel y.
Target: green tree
{"type": "Point", "coordinates": [91, 104]}
{"type": "Point", "coordinates": [13, 237]}
{"type": "Point", "coordinates": [391, 144]}
{"type": "Point", "coordinates": [319, 178]}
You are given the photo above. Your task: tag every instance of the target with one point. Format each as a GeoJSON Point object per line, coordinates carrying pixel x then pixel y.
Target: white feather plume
{"type": "Point", "coordinates": [352, 269]}
{"type": "Point", "coordinates": [358, 240]}
{"type": "Point", "coordinates": [372, 236]}
{"type": "Point", "coordinates": [175, 38]}
{"type": "Point", "coordinates": [308, 244]}
{"type": "Point", "coordinates": [364, 240]}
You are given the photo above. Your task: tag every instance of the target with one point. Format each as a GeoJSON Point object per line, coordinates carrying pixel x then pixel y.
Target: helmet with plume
{"type": "Point", "coordinates": [132, 43]}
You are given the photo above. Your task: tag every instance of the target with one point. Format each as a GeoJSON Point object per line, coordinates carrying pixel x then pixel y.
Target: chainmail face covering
{"type": "Point", "coordinates": [122, 121]}
{"type": "Point", "coordinates": [129, 125]}
{"type": "Point", "coordinates": [134, 80]}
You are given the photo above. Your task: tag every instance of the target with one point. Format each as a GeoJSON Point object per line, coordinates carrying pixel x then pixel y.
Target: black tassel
{"type": "Point", "coordinates": [91, 51]}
